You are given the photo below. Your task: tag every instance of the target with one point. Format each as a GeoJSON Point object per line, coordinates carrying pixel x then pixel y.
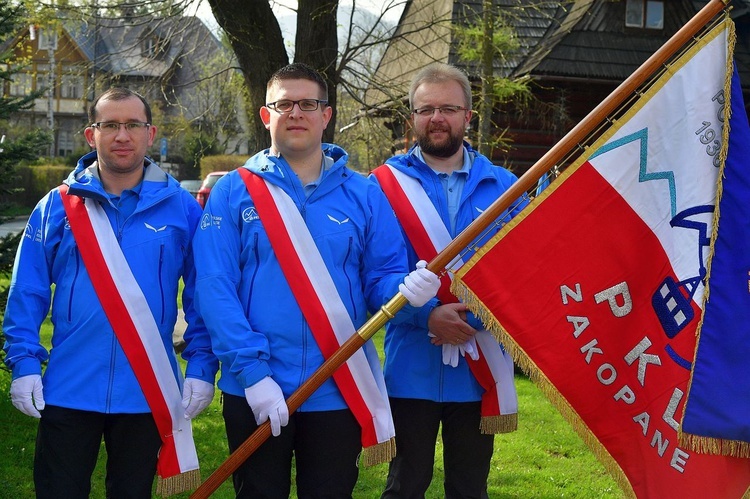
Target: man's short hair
{"type": "Point", "coordinates": [118, 93]}
{"type": "Point", "coordinates": [299, 71]}
{"type": "Point", "coordinates": [439, 73]}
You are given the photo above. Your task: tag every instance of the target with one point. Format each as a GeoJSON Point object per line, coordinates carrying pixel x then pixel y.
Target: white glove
{"type": "Point", "coordinates": [450, 355]}
{"type": "Point", "coordinates": [420, 285]}
{"type": "Point", "coordinates": [469, 348]}
{"type": "Point", "coordinates": [26, 395]}
{"type": "Point", "coordinates": [196, 395]}
{"type": "Point", "coordinates": [451, 352]}
{"type": "Point", "coordinates": [267, 402]}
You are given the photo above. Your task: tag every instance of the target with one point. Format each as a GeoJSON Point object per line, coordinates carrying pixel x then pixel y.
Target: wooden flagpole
{"type": "Point", "coordinates": [437, 265]}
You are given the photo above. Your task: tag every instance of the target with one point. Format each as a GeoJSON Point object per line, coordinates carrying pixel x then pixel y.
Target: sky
{"type": "Point", "coordinates": [285, 9]}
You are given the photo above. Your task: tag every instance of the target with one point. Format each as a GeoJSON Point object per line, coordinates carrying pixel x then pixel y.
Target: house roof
{"type": "Point", "coordinates": [169, 56]}
{"type": "Point", "coordinates": [531, 20]}
{"type": "Point", "coordinates": [564, 39]}
{"type": "Point", "coordinates": [592, 41]}
{"type": "Point", "coordinates": [117, 46]}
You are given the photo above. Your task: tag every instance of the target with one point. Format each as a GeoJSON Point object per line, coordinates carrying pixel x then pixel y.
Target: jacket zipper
{"type": "Point", "coordinates": [73, 284]}
{"type": "Point", "coordinates": [161, 281]}
{"type": "Point", "coordinates": [112, 359]}
{"type": "Point", "coordinates": [256, 255]}
{"type": "Point", "coordinates": [348, 279]}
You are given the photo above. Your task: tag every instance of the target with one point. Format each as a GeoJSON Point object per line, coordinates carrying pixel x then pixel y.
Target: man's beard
{"type": "Point", "coordinates": [443, 149]}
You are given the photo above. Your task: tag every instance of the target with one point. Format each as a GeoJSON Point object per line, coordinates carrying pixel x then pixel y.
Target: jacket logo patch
{"type": "Point", "coordinates": [337, 221]}
{"type": "Point", "coordinates": [208, 220]}
{"type": "Point", "coordinates": [250, 214]}
{"type": "Point", "coordinates": [205, 221]}
{"type": "Point", "coordinates": [30, 233]}
{"type": "Point", "coordinates": [149, 226]}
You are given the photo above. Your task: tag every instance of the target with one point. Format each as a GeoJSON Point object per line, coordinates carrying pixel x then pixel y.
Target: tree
{"type": "Point", "coordinates": [255, 34]}
{"type": "Point", "coordinates": [482, 41]}
{"type": "Point", "coordinates": [13, 150]}
{"type": "Point", "coordinates": [218, 91]}
{"type": "Point", "coordinates": [256, 37]}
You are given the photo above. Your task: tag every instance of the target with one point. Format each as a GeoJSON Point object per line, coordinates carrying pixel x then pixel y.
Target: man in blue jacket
{"type": "Point", "coordinates": [114, 242]}
{"type": "Point", "coordinates": [294, 250]}
{"type": "Point", "coordinates": [442, 368]}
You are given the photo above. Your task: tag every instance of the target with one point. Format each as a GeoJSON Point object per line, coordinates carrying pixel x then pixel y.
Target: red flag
{"type": "Point", "coordinates": [597, 288]}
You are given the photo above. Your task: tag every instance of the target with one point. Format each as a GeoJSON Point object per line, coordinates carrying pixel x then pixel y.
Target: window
{"type": "Point", "coordinates": [71, 85]}
{"type": "Point", "coordinates": [47, 39]}
{"type": "Point", "coordinates": [43, 77]}
{"type": "Point", "coordinates": [153, 47]}
{"type": "Point", "coordinates": [20, 84]}
{"type": "Point", "coordinates": [149, 47]}
{"type": "Point", "coordinates": [65, 143]}
{"type": "Point", "coordinates": [647, 14]}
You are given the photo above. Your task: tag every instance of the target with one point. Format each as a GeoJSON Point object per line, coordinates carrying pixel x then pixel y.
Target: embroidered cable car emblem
{"type": "Point", "coordinates": [672, 301]}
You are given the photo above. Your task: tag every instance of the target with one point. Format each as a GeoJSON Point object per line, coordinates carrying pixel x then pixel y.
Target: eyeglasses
{"type": "Point", "coordinates": [444, 110]}
{"type": "Point", "coordinates": [113, 127]}
{"type": "Point", "coordinates": [286, 106]}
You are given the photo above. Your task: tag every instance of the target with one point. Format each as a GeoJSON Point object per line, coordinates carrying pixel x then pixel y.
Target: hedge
{"type": "Point", "coordinates": [31, 183]}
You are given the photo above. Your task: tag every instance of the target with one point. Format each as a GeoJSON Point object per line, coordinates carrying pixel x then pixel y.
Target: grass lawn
{"type": "Point", "coordinates": [543, 459]}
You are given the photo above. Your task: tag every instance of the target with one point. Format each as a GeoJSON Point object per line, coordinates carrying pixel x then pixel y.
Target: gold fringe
{"type": "Point", "coordinates": [504, 423]}
{"type": "Point", "coordinates": [382, 452]}
{"type": "Point", "coordinates": [184, 482]}
{"type": "Point", "coordinates": [537, 376]}
{"type": "Point", "coordinates": [717, 446]}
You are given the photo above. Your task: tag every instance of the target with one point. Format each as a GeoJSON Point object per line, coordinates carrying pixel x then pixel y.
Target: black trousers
{"type": "Point", "coordinates": [466, 451]}
{"type": "Point", "coordinates": [67, 447]}
{"type": "Point", "coordinates": [325, 446]}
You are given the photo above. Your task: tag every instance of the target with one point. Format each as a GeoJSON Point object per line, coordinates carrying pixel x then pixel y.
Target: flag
{"type": "Point", "coordinates": [607, 325]}
{"type": "Point", "coordinates": [717, 410]}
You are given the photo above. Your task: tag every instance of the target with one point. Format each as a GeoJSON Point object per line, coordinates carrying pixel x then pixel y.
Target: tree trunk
{"type": "Point", "coordinates": [255, 36]}
{"type": "Point", "coordinates": [316, 45]}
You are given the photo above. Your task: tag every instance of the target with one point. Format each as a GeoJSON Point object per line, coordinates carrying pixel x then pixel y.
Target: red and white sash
{"type": "Point", "coordinates": [134, 325]}
{"type": "Point", "coordinates": [360, 379]}
{"type": "Point", "coordinates": [428, 235]}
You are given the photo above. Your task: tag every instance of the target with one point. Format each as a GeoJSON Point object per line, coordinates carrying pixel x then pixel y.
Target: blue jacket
{"type": "Point", "coordinates": [414, 366]}
{"type": "Point", "coordinates": [257, 328]}
{"type": "Point", "coordinates": [87, 368]}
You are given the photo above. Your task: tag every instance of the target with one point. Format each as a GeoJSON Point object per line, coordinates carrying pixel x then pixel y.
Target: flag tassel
{"type": "Point", "coordinates": [173, 485]}
{"type": "Point", "coordinates": [382, 452]}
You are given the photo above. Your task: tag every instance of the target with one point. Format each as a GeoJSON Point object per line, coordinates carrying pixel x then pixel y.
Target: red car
{"type": "Point", "coordinates": [205, 189]}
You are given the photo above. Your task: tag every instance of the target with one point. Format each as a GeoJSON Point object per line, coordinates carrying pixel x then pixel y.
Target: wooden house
{"type": "Point", "coordinates": [165, 59]}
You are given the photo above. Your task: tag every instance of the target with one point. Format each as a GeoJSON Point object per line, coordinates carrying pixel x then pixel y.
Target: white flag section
{"type": "Point", "coordinates": [664, 160]}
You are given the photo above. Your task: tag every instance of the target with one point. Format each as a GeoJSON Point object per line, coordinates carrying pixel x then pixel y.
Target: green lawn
{"type": "Point", "coordinates": [543, 459]}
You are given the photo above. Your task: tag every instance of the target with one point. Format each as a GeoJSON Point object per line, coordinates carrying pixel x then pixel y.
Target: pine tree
{"type": "Point", "coordinates": [13, 150]}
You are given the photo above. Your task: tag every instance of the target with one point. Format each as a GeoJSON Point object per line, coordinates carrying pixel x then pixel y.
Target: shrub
{"type": "Point", "coordinates": [30, 183]}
